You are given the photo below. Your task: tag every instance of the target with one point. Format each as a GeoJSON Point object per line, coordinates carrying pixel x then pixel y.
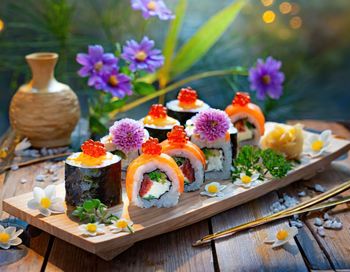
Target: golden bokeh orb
{"type": "Point", "coordinates": [2, 25]}
{"type": "Point", "coordinates": [267, 3]}
{"type": "Point", "coordinates": [296, 22]}
{"type": "Point", "coordinates": [285, 7]}
{"type": "Point", "coordinates": [269, 16]}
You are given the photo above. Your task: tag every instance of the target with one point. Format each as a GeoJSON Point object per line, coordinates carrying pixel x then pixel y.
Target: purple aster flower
{"type": "Point", "coordinates": [127, 134]}
{"type": "Point", "coordinates": [141, 55]}
{"type": "Point", "coordinates": [117, 84]}
{"type": "Point", "coordinates": [152, 8]}
{"type": "Point", "coordinates": [95, 64]}
{"type": "Point", "coordinates": [211, 124]}
{"type": "Point", "coordinates": [266, 78]}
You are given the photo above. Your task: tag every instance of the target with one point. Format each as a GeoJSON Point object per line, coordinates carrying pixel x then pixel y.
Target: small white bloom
{"type": "Point", "coordinates": [213, 189]}
{"type": "Point", "coordinates": [108, 143]}
{"type": "Point", "coordinates": [23, 145]}
{"type": "Point", "coordinates": [247, 181]}
{"type": "Point", "coordinates": [45, 201]}
{"type": "Point", "coordinates": [92, 229]}
{"type": "Point", "coordinates": [9, 237]}
{"type": "Point", "coordinates": [316, 145]}
{"type": "Point", "coordinates": [282, 236]}
{"type": "Point", "coordinates": [121, 224]}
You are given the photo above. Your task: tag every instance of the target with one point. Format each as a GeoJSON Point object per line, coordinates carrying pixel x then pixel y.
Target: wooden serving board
{"type": "Point", "coordinates": [192, 207]}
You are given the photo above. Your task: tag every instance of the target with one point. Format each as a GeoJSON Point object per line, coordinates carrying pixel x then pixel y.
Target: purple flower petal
{"type": "Point", "coordinates": [151, 8]}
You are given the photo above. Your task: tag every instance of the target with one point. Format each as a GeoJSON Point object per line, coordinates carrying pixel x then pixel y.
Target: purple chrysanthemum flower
{"type": "Point", "coordinates": [152, 8]}
{"type": "Point", "coordinates": [95, 64]}
{"type": "Point", "coordinates": [116, 83]}
{"type": "Point", "coordinates": [141, 55]}
{"type": "Point", "coordinates": [266, 78]}
{"type": "Point", "coordinates": [127, 135]}
{"type": "Point", "coordinates": [211, 124]}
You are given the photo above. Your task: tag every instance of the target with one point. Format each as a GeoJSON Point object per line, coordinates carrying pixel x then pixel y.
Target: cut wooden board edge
{"type": "Point", "coordinates": [120, 243]}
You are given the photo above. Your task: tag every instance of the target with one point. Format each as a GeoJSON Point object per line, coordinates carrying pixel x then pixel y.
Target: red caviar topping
{"type": "Point", "coordinates": [187, 96]}
{"type": "Point", "coordinates": [152, 147]}
{"type": "Point", "coordinates": [93, 149]}
{"type": "Point", "coordinates": [177, 135]}
{"type": "Point", "coordinates": [158, 111]}
{"type": "Point", "coordinates": [241, 99]}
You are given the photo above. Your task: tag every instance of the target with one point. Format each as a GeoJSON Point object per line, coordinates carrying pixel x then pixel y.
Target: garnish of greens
{"type": "Point", "coordinates": [93, 211]}
{"type": "Point", "coordinates": [252, 159]}
{"type": "Point", "coordinates": [179, 160]}
{"type": "Point", "coordinates": [158, 176]}
{"type": "Point", "coordinates": [210, 152]}
{"type": "Point", "coordinates": [119, 153]}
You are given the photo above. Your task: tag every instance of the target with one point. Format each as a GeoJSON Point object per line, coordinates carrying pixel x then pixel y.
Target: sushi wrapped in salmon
{"type": "Point", "coordinates": [158, 123]}
{"type": "Point", "coordinates": [154, 178]}
{"type": "Point", "coordinates": [247, 118]}
{"type": "Point", "coordinates": [189, 157]}
{"type": "Point", "coordinates": [186, 105]}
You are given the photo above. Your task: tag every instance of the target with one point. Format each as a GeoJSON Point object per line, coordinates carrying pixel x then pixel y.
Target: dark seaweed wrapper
{"type": "Point", "coordinates": [181, 116]}
{"type": "Point", "coordinates": [234, 144]}
{"type": "Point", "coordinates": [103, 183]}
{"type": "Point", "coordinates": [160, 134]}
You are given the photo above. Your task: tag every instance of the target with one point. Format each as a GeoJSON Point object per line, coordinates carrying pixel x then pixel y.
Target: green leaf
{"type": "Point", "coordinates": [144, 88]}
{"type": "Point", "coordinates": [113, 105]}
{"type": "Point", "coordinates": [96, 202]}
{"type": "Point", "coordinates": [97, 126]}
{"type": "Point", "coordinates": [200, 43]}
{"type": "Point", "coordinates": [119, 153]}
{"type": "Point", "coordinates": [171, 41]}
{"type": "Point", "coordinates": [88, 205]}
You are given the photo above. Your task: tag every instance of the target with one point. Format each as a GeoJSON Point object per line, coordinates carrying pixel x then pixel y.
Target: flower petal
{"type": "Point", "coordinates": [18, 233]}
{"type": "Point", "coordinates": [5, 246]}
{"type": "Point", "coordinates": [10, 231]}
{"type": "Point", "coordinates": [50, 191]}
{"type": "Point", "coordinates": [15, 242]}
{"type": "Point", "coordinates": [45, 212]}
{"type": "Point", "coordinates": [38, 193]}
{"type": "Point", "coordinates": [255, 177]}
{"type": "Point", "coordinates": [2, 229]}
{"type": "Point", "coordinates": [33, 204]}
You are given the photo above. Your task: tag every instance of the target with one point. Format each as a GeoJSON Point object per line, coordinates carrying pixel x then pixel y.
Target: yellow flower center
{"type": "Point", "coordinates": [213, 189]}
{"type": "Point", "coordinates": [113, 80]}
{"type": "Point", "coordinates": [91, 228]}
{"type": "Point", "coordinates": [246, 179]}
{"type": "Point", "coordinates": [45, 202]}
{"type": "Point", "coordinates": [151, 5]}
{"type": "Point", "coordinates": [141, 55]}
{"type": "Point", "coordinates": [266, 79]}
{"type": "Point", "coordinates": [317, 145]}
{"type": "Point", "coordinates": [98, 65]}
{"type": "Point", "coordinates": [282, 235]}
{"type": "Point", "coordinates": [4, 237]}
{"type": "Point", "coordinates": [121, 224]}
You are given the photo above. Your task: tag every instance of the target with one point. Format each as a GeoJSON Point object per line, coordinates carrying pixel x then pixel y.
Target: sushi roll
{"type": "Point", "coordinates": [247, 118]}
{"type": "Point", "coordinates": [211, 134]}
{"type": "Point", "coordinates": [154, 179]}
{"type": "Point", "coordinates": [125, 139]}
{"type": "Point", "coordinates": [186, 105]}
{"type": "Point", "coordinates": [188, 157]}
{"type": "Point", "coordinates": [158, 123]}
{"type": "Point", "coordinates": [93, 173]}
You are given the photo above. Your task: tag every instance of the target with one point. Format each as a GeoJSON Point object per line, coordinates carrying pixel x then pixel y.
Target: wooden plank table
{"type": "Point", "coordinates": [173, 251]}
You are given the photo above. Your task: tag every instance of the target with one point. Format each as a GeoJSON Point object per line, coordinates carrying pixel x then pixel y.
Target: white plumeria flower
{"type": "Point", "coordinates": [315, 145]}
{"type": "Point", "coordinates": [121, 224]}
{"type": "Point", "coordinates": [9, 237]}
{"type": "Point", "coordinates": [282, 236]}
{"type": "Point", "coordinates": [45, 201]}
{"type": "Point", "coordinates": [213, 189]}
{"type": "Point", "coordinates": [247, 181]}
{"type": "Point", "coordinates": [92, 229]}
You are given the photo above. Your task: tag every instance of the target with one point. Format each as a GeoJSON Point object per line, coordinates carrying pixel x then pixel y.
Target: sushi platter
{"type": "Point", "coordinates": [163, 172]}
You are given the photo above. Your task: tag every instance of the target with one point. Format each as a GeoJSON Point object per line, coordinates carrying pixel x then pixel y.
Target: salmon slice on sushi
{"type": "Point", "coordinates": [248, 119]}
{"type": "Point", "coordinates": [189, 157]}
{"type": "Point", "coordinates": [154, 178]}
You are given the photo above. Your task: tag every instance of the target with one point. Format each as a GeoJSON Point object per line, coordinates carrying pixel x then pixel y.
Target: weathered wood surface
{"type": "Point", "coordinates": [173, 251]}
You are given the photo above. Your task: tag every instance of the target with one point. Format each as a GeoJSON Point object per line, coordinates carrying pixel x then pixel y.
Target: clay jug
{"type": "Point", "coordinates": [44, 110]}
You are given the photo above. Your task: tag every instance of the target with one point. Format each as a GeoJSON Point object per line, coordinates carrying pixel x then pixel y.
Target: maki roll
{"type": "Point", "coordinates": [211, 134]}
{"type": "Point", "coordinates": [247, 118]}
{"type": "Point", "coordinates": [186, 106]}
{"type": "Point", "coordinates": [158, 123]}
{"type": "Point", "coordinates": [93, 173]}
{"type": "Point", "coordinates": [154, 179]}
{"type": "Point", "coordinates": [125, 139]}
{"type": "Point", "coordinates": [188, 157]}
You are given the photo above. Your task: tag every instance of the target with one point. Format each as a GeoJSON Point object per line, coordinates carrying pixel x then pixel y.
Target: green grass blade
{"type": "Point", "coordinates": [200, 43]}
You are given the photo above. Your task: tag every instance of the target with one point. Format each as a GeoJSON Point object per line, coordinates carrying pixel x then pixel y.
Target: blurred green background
{"type": "Point", "coordinates": [311, 37]}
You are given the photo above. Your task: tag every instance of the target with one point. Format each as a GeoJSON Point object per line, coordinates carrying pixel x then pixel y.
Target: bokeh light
{"type": "Point", "coordinates": [269, 16]}
{"type": "Point", "coordinates": [2, 25]}
{"type": "Point", "coordinates": [295, 9]}
{"type": "Point", "coordinates": [296, 22]}
{"type": "Point", "coordinates": [267, 3]}
{"type": "Point", "coordinates": [285, 7]}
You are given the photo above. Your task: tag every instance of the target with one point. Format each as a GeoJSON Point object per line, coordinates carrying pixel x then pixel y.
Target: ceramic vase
{"type": "Point", "coordinates": [44, 110]}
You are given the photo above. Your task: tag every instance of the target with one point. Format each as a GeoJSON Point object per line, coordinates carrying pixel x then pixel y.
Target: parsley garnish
{"type": "Point", "coordinates": [158, 176]}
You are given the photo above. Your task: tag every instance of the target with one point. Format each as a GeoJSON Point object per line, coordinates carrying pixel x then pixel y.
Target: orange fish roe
{"type": "Point", "coordinates": [187, 96]}
{"type": "Point", "coordinates": [241, 99]}
{"type": "Point", "coordinates": [93, 149]}
{"type": "Point", "coordinates": [177, 135]}
{"type": "Point", "coordinates": [158, 111]}
{"type": "Point", "coordinates": [152, 147]}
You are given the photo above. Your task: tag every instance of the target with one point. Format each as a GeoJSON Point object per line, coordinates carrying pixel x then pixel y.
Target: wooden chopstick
{"type": "Point", "coordinates": [306, 206]}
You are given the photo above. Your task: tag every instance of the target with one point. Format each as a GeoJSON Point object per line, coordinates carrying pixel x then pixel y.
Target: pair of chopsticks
{"type": "Point", "coordinates": [310, 205]}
